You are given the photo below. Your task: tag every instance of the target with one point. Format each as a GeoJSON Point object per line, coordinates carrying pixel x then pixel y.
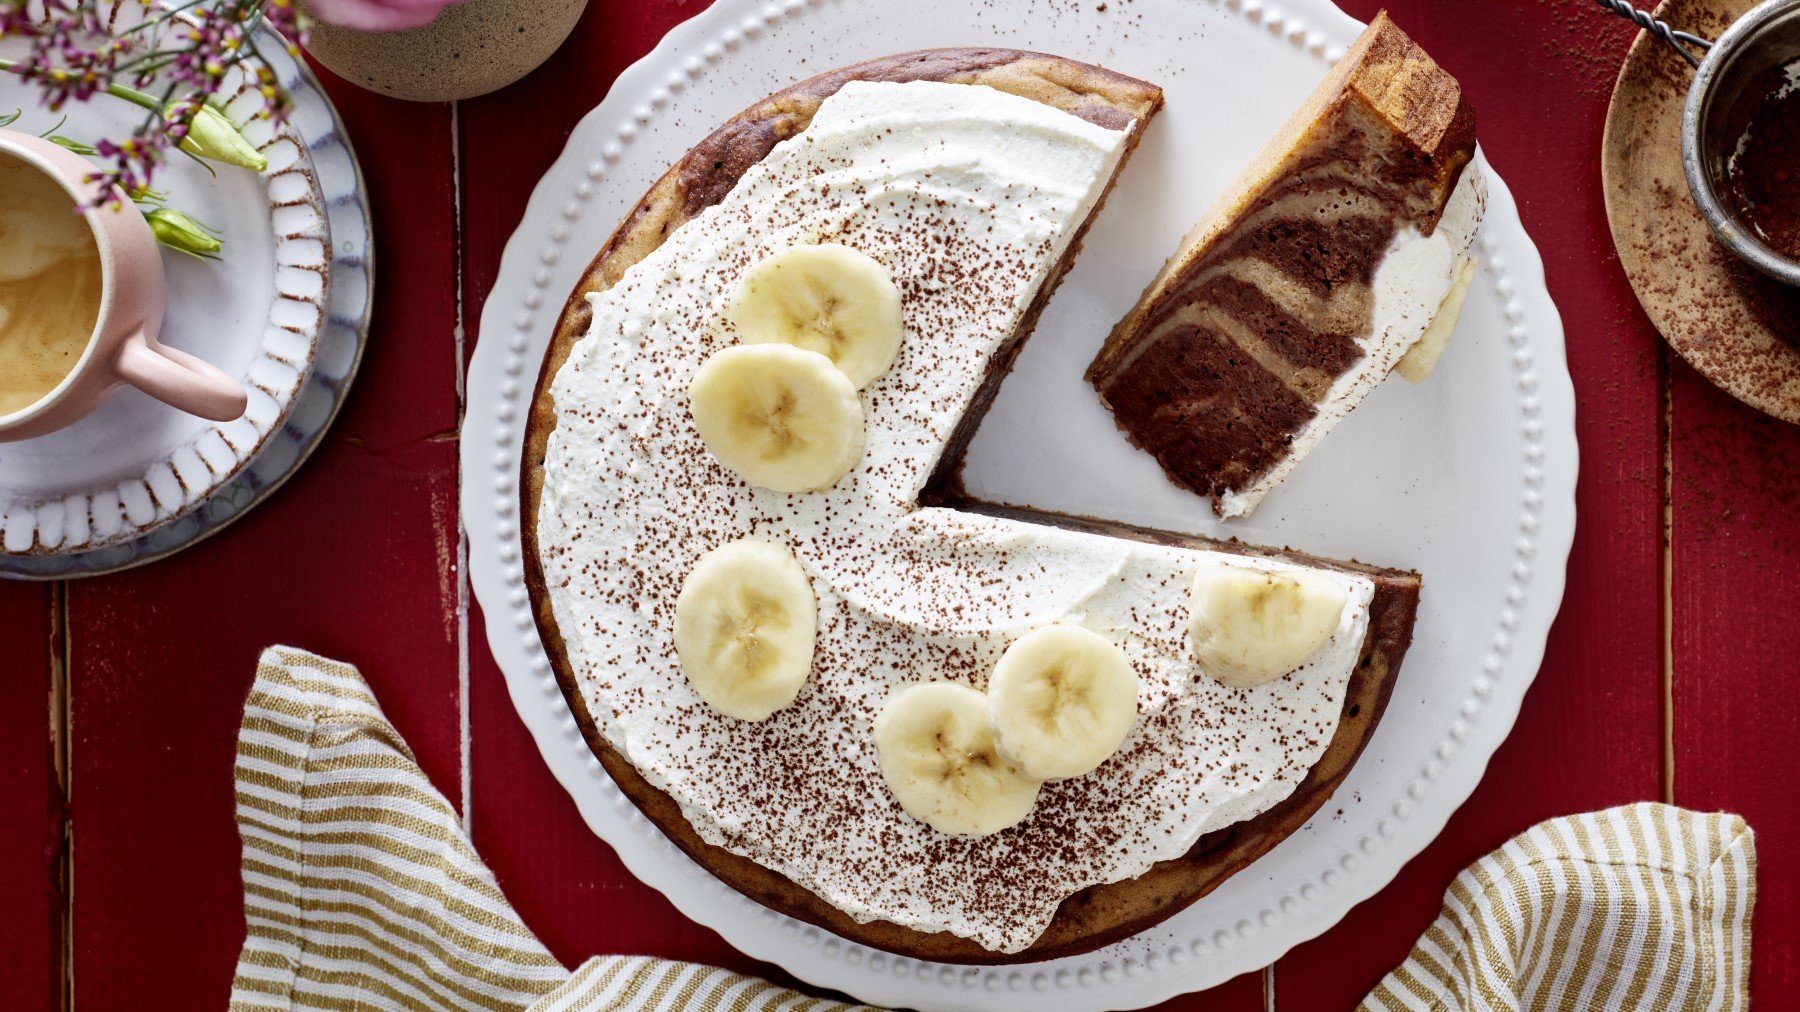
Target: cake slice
{"type": "Point", "coordinates": [1307, 282]}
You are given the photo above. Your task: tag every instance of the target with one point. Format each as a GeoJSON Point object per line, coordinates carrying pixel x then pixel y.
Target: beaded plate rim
{"type": "Point", "coordinates": [1139, 971]}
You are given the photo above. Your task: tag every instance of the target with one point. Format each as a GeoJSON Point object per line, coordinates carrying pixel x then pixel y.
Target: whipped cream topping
{"type": "Point", "coordinates": [969, 197]}
{"type": "Point", "coordinates": [1414, 275]}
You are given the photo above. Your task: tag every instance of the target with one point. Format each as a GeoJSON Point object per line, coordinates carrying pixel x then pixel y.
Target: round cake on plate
{"type": "Point", "coordinates": [962, 180]}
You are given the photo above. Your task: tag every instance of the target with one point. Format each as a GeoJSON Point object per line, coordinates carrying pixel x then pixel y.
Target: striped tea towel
{"type": "Point", "coordinates": [361, 891]}
{"type": "Point", "coordinates": [1641, 907]}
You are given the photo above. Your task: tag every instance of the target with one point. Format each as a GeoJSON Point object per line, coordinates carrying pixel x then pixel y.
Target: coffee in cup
{"type": "Point", "coordinates": [50, 284]}
{"type": "Point", "coordinates": [81, 299]}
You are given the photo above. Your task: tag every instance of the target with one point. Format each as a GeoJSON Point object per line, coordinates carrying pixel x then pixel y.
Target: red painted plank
{"type": "Point", "coordinates": [508, 141]}
{"type": "Point", "coordinates": [31, 895]}
{"type": "Point", "coordinates": [510, 138]}
{"type": "Point", "coordinates": [1517, 62]}
{"type": "Point", "coordinates": [1736, 562]}
{"type": "Point", "coordinates": [355, 558]}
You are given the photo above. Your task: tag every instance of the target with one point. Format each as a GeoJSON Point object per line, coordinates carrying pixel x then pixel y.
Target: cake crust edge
{"type": "Point", "coordinates": [1095, 916]}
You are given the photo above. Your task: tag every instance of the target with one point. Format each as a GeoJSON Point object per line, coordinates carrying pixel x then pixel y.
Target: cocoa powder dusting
{"type": "Point", "coordinates": [1763, 179]}
{"type": "Point", "coordinates": [1738, 327]}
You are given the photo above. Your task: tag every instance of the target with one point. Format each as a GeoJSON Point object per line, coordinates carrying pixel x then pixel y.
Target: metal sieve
{"type": "Point", "coordinates": [1767, 37]}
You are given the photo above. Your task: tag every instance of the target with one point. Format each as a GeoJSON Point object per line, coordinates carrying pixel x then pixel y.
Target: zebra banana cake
{"type": "Point", "coordinates": [960, 733]}
{"type": "Point", "coordinates": [1317, 273]}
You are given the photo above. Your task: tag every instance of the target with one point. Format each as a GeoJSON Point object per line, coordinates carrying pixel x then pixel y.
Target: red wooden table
{"type": "Point", "coordinates": [1667, 677]}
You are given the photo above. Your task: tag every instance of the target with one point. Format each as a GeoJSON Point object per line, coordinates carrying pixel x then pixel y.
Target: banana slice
{"type": "Point", "coordinates": [1250, 626]}
{"type": "Point", "coordinates": [827, 298]}
{"type": "Point", "coordinates": [1062, 699]}
{"type": "Point", "coordinates": [937, 755]}
{"type": "Point", "coordinates": [778, 416]}
{"type": "Point", "coordinates": [1422, 357]}
{"type": "Point", "coordinates": [744, 627]}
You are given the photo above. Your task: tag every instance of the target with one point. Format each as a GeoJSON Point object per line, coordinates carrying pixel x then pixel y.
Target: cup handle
{"type": "Point", "coordinates": [180, 380]}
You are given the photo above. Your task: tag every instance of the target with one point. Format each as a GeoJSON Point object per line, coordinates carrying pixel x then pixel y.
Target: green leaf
{"type": "Point", "coordinates": [85, 150]}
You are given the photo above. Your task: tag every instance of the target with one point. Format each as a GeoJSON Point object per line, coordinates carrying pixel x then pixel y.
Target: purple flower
{"type": "Point", "coordinates": [174, 64]}
{"type": "Point", "coordinates": [379, 15]}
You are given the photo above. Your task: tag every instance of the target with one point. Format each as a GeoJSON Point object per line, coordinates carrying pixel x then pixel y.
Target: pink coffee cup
{"type": "Point", "coordinates": [123, 348]}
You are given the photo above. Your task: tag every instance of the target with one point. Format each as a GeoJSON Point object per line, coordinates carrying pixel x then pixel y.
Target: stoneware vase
{"type": "Point", "coordinates": [469, 49]}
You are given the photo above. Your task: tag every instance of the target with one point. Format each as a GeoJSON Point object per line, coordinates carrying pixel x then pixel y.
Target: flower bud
{"type": "Point", "coordinates": [175, 230]}
{"type": "Point", "coordinates": [211, 135]}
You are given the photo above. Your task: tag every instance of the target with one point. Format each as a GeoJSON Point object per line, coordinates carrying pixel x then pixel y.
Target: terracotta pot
{"type": "Point", "coordinates": [469, 49]}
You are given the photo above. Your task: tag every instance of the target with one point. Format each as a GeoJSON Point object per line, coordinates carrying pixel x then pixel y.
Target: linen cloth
{"type": "Point", "coordinates": [362, 891]}
{"type": "Point", "coordinates": [1641, 907]}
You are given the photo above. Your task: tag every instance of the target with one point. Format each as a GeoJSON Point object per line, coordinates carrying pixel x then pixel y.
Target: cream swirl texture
{"type": "Point", "coordinates": [970, 198]}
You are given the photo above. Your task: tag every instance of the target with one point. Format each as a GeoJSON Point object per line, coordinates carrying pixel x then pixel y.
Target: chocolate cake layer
{"type": "Point", "coordinates": [1237, 342]}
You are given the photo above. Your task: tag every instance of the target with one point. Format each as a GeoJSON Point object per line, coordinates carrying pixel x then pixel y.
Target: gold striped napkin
{"type": "Point", "coordinates": [1641, 907]}
{"type": "Point", "coordinates": [361, 891]}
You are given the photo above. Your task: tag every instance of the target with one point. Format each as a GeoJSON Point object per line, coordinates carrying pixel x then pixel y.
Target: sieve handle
{"type": "Point", "coordinates": [1681, 42]}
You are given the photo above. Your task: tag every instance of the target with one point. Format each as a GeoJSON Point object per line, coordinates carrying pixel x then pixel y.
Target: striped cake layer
{"type": "Point", "coordinates": [1270, 323]}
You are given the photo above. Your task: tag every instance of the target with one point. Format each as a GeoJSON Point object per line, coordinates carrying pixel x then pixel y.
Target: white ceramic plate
{"type": "Point", "coordinates": [286, 310]}
{"type": "Point", "coordinates": [1469, 478]}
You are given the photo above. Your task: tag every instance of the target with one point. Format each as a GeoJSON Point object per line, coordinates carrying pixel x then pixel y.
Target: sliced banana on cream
{"type": "Point", "coordinates": [780, 417]}
{"type": "Point", "coordinates": [827, 298]}
{"type": "Point", "coordinates": [1250, 626]}
{"type": "Point", "coordinates": [744, 628]}
{"type": "Point", "coordinates": [937, 754]}
{"type": "Point", "coordinates": [1062, 699]}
